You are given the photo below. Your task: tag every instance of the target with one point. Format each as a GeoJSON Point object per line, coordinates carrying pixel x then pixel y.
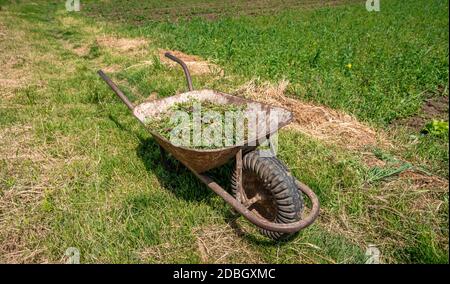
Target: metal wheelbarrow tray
{"type": "Point", "coordinates": [264, 203]}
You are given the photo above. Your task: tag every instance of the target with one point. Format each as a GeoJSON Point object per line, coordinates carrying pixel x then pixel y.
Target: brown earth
{"type": "Point", "coordinates": [195, 64]}
{"type": "Point", "coordinates": [207, 10]}
{"type": "Point", "coordinates": [122, 45]}
{"type": "Point", "coordinates": [432, 108]}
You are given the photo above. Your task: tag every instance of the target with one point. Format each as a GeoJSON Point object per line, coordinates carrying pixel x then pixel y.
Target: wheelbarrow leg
{"type": "Point", "coordinates": [241, 196]}
{"type": "Point", "coordinates": [240, 191]}
{"type": "Point", "coordinates": [167, 164]}
{"type": "Point", "coordinates": [239, 175]}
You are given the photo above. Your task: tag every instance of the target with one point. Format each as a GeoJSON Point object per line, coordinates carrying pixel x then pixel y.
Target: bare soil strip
{"type": "Point", "coordinates": [195, 64]}
{"type": "Point", "coordinates": [433, 108]}
{"type": "Point", "coordinates": [122, 45]}
{"type": "Point", "coordinates": [208, 10]}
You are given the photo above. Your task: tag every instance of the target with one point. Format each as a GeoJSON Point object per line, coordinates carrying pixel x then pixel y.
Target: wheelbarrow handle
{"type": "Point", "coordinates": [184, 66]}
{"type": "Point", "coordinates": [116, 90]}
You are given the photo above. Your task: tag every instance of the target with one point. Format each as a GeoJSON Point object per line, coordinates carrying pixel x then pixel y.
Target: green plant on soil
{"type": "Point", "coordinates": [437, 128]}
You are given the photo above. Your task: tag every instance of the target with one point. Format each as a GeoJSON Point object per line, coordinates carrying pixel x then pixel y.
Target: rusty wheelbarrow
{"type": "Point", "coordinates": [263, 189]}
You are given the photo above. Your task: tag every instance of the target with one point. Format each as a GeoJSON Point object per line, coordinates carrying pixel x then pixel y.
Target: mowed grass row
{"type": "Point", "coordinates": [105, 192]}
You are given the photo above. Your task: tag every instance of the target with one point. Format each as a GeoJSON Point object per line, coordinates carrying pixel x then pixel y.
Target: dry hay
{"type": "Point", "coordinates": [111, 68]}
{"type": "Point", "coordinates": [122, 45]}
{"type": "Point", "coordinates": [17, 61]}
{"type": "Point", "coordinates": [421, 196]}
{"type": "Point", "coordinates": [14, 59]}
{"type": "Point", "coordinates": [68, 21]}
{"type": "Point", "coordinates": [424, 181]}
{"type": "Point", "coordinates": [20, 198]}
{"type": "Point", "coordinates": [370, 160]}
{"type": "Point", "coordinates": [195, 64]}
{"type": "Point", "coordinates": [167, 252]}
{"type": "Point", "coordinates": [27, 173]}
{"type": "Point", "coordinates": [221, 244]}
{"type": "Point", "coordinates": [2, 31]}
{"type": "Point", "coordinates": [318, 121]}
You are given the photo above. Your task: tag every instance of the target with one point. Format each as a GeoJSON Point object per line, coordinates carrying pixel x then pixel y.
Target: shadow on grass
{"type": "Point", "coordinates": [175, 177]}
{"type": "Point", "coordinates": [231, 219]}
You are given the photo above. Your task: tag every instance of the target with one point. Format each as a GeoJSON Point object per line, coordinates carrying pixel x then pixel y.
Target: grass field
{"type": "Point", "coordinates": [76, 169]}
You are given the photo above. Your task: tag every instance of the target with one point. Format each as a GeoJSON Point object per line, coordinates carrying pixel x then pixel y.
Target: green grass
{"type": "Point", "coordinates": [84, 173]}
{"type": "Point", "coordinates": [396, 55]}
{"type": "Point", "coordinates": [430, 152]}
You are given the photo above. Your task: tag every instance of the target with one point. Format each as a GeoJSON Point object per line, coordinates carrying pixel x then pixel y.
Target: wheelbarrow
{"type": "Point", "coordinates": [263, 189]}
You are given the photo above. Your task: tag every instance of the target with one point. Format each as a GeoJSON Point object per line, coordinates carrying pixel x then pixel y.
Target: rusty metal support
{"type": "Point", "coordinates": [240, 194]}
{"type": "Point", "coordinates": [259, 221]}
{"type": "Point", "coordinates": [249, 202]}
{"type": "Point", "coordinates": [184, 66]}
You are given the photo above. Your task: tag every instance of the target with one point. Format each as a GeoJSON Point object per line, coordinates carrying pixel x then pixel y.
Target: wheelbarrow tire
{"type": "Point", "coordinates": [276, 180]}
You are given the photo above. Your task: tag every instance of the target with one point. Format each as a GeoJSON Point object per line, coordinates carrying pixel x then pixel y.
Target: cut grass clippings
{"type": "Point", "coordinates": [182, 121]}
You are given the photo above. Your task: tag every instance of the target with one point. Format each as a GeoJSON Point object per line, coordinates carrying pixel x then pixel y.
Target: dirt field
{"type": "Point", "coordinates": [138, 13]}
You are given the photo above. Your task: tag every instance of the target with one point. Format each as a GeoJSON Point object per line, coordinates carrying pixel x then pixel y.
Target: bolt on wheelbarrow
{"type": "Point", "coordinates": [263, 189]}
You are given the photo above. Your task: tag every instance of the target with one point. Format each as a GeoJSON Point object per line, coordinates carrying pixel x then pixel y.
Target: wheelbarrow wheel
{"type": "Point", "coordinates": [269, 190]}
